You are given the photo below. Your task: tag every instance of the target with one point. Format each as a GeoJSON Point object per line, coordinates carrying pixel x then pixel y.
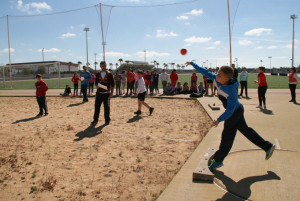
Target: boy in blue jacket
{"type": "Point", "coordinates": [233, 116]}
{"type": "Point", "coordinates": [85, 77]}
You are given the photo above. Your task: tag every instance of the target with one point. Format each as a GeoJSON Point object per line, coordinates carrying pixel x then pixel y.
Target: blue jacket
{"type": "Point", "coordinates": [86, 75]}
{"type": "Point", "coordinates": [228, 94]}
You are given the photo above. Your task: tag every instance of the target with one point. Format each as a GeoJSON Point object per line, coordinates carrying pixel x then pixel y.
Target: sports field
{"type": "Point", "coordinates": [274, 82]}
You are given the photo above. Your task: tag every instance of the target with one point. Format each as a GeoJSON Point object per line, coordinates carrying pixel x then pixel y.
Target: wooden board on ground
{"type": "Point", "coordinates": [202, 171]}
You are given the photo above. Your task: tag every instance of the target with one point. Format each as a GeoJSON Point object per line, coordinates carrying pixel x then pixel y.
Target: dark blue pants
{"type": "Point", "coordinates": [244, 86]}
{"type": "Point", "coordinates": [262, 95]}
{"type": "Point", "coordinates": [42, 104]}
{"type": "Point", "coordinates": [231, 125]}
{"type": "Point", "coordinates": [102, 97]}
{"type": "Point", "coordinates": [84, 92]}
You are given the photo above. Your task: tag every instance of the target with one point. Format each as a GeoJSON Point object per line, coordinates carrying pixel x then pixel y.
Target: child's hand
{"type": "Point", "coordinates": [215, 123]}
{"type": "Point", "coordinates": [188, 63]}
{"type": "Point", "coordinates": [255, 81]}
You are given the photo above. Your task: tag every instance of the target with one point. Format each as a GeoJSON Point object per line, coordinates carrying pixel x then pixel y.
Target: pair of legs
{"type": "Point", "coordinates": [129, 87]}
{"type": "Point", "coordinates": [84, 92]}
{"type": "Point", "coordinates": [42, 104]}
{"type": "Point", "coordinates": [237, 122]}
{"type": "Point", "coordinates": [102, 98]}
{"type": "Point", "coordinates": [293, 91]}
{"type": "Point", "coordinates": [155, 86]}
{"type": "Point", "coordinates": [91, 86]}
{"type": "Point", "coordinates": [141, 101]}
{"type": "Point", "coordinates": [262, 95]}
{"type": "Point", "coordinates": [209, 85]}
{"type": "Point", "coordinates": [75, 89]}
{"type": "Point", "coordinates": [164, 83]}
{"type": "Point", "coordinates": [123, 86]}
{"type": "Point", "coordinates": [244, 86]}
{"type": "Point", "coordinates": [118, 87]}
{"type": "Point", "coordinates": [173, 83]}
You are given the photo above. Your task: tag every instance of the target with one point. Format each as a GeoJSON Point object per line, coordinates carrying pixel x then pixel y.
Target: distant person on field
{"type": "Point", "coordinates": [201, 88]}
{"type": "Point", "coordinates": [155, 81]}
{"type": "Point", "coordinates": [75, 80]}
{"type": "Point", "coordinates": [91, 84]}
{"type": "Point", "coordinates": [233, 116]}
{"type": "Point", "coordinates": [262, 87]}
{"type": "Point", "coordinates": [169, 89]}
{"type": "Point", "coordinates": [141, 94]}
{"type": "Point", "coordinates": [123, 81]}
{"type": "Point", "coordinates": [118, 79]}
{"type": "Point", "coordinates": [41, 88]}
{"type": "Point", "coordinates": [194, 88]}
{"type": "Point", "coordinates": [209, 84]}
{"type": "Point", "coordinates": [148, 81]}
{"type": "Point", "coordinates": [164, 79]}
{"type": "Point", "coordinates": [194, 78]}
{"type": "Point", "coordinates": [293, 81]}
{"type": "Point", "coordinates": [185, 88]}
{"type": "Point", "coordinates": [178, 88]}
{"type": "Point", "coordinates": [174, 78]}
{"type": "Point", "coordinates": [130, 78]}
{"type": "Point", "coordinates": [85, 76]}
{"type": "Point", "coordinates": [67, 91]}
{"type": "Point", "coordinates": [235, 71]}
{"type": "Point", "coordinates": [244, 82]}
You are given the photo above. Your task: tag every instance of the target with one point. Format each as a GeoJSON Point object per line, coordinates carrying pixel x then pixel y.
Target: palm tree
{"type": "Point", "coordinates": [165, 66]}
{"type": "Point", "coordinates": [69, 64]}
{"type": "Point", "coordinates": [95, 65]}
{"type": "Point", "coordinates": [157, 64]}
{"type": "Point", "coordinates": [116, 65]}
{"type": "Point", "coordinates": [111, 65]}
{"type": "Point", "coordinates": [120, 60]}
{"type": "Point", "coordinates": [172, 64]}
{"type": "Point", "coordinates": [178, 66]}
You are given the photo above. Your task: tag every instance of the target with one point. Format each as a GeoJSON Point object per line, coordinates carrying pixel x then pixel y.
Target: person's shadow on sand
{"type": "Point", "coordinates": [89, 132]}
{"type": "Point", "coordinates": [25, 120]}
{"type": "Point", "coordinates": [134, 119]}
{"type": "Point", "coordinates": [242, 188]}
{"type": "Point", "coordinates": [76, 104]}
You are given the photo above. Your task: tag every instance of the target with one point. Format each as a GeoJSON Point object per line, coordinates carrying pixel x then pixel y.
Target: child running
{"type": "Point", "coordinates": [141, 93]}
{"type": "Point", "coordinates": [233, 115]}
{"type": "Point", "coordinates": [41, 88]}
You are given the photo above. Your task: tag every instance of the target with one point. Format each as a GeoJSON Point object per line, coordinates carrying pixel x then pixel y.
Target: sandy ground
{"type": "Point", "coordinates": [62, 157]}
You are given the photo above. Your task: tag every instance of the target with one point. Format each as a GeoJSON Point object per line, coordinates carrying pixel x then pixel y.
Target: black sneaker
{"type": "Point", "coordinates": [151, 110]}
{"type": "Point", "coordinates": [138, 112]}
{"type": "Point", "coordinates": [107, 123]}
{"type": "Point", "coordinates": [94, 122]}
{"type": "Point", "coordinates": [39, 115]}
{"type": "Point", "coordinates": [46, 114]}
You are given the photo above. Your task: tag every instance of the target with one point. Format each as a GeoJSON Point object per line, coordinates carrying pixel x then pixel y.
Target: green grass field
{"type": "Point", "coordinates": [274, 82]}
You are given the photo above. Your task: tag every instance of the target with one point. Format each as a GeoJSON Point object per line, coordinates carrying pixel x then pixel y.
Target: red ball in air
{"type": "Point", "coordinates": [183, 51]}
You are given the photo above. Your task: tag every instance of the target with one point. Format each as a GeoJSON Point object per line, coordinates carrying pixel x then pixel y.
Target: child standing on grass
{"type": "Point", "coordinates": [41, 88]}
{"type": "Point", "coordinates": [75, 80]}
{"type": "Point", "coordinates": [141, 94]}
{"type": "Point", "coordinates": [262, 87]}
{"type": "Point", "coordinates": [293, 81]}
{"type": "Point", "coordinates": [233, 115]}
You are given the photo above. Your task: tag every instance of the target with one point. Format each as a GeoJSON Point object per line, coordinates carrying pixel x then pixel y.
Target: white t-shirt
{"type": "Point", "coordinates": [141, 86]}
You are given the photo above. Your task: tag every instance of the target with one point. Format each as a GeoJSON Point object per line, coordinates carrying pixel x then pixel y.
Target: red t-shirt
{"type": "Point", "coordinates": [75, 79]}
{"type": "Point", "coordinates": [130, 76]}
{"type": "Point", "coordinates": [263, 81]}
{"type": "Point", "coordinates": [194, 78]}
{"type": "Point", "coordinates": [174, 77]}
{"type": "Point", "coordinates": [41, 88]}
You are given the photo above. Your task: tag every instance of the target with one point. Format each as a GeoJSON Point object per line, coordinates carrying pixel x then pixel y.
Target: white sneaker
{"type": "Point", "coordinates": [258, 106]}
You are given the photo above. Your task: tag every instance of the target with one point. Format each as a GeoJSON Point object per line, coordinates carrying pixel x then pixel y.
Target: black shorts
{"type": "Point", "coordinates": [141, 96]}
{"type": "Point", "coordinates": [209, 81]}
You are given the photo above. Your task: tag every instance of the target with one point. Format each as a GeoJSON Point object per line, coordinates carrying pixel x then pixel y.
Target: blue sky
{"type": "Point", "coordinates": [260, 29]}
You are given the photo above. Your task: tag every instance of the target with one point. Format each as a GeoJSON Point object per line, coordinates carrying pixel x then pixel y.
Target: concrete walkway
{"type": "Point", "coordinates": [246, 174]}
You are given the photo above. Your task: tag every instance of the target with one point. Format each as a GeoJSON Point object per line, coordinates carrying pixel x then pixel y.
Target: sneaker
{"type": "Point", "coordinates": [94, 122]}
{"type": "Point", "coordinates": [270, 152]}
{"type": "Point", "coordinates": [138, 112]}
{"type": "Point", "coordinates": [265, 107]}
{"type": "Point", "coordinates": [107, 123]}
{"type": "Point", "coordinates": [259, 106]}
{"type": "Point", "coordinates": [151, 110]}
{"type": "Point", "coordinates": [39, 115]}
{"type": "Point", "coordinates": [46, 114]}
{"type": "Point", "coordinates": [291, 100]}
{"type": "Point", "coordinates": [214, 165]}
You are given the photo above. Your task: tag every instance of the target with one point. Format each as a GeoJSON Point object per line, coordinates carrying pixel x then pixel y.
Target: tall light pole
{"type": "Point", "coordinates": [293, 17]}
{"type": "Point", "coordinates": [43, 54]}
{"type": "Point", "coordinates": [270, 63]}
{"type": "Point", "coordinates": [87, 48]}
{"type": "Point", "coordinates": [145, 55]}
{"type": "Point", "coordinates": [229, 32]}
{"type": "Point", "coordinates": [8, 40]}
{"type": "Point", "coordinates": [95, 61]}
{"type": "Point", "coordinates": [236, 62]}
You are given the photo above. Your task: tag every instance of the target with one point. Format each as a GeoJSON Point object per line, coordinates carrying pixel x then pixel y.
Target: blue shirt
{"type": "Point", "coordinates": [86, 75]}
{"type": "Point", "coordinates": [227, 93]}
{"type": "Point", "coordinates": [244, 76]}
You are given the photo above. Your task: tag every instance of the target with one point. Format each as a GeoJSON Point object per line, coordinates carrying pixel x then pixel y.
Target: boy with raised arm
{"type": "Point", "coordinates": [233, 115]}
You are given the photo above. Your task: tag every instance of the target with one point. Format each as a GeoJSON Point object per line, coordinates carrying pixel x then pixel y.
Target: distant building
{"type": "Point", "coordinates": [46, 67]}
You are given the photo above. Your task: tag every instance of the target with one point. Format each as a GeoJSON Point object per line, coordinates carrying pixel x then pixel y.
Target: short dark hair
{"type": "Point", "coordinates": [84, 67]}
{"type": "Point", "coordinates": [102, 62]}
{"type": "Point", "coordinates": [140, 72]}
{"type": "Point", "coordinates": [38, 75]}
{"type": "Point", "coordinates": [227, 70]}
{"type": "Point", "coordinates": [263, 69]}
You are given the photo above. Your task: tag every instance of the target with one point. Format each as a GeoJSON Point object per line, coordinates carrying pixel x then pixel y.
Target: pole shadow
{"type": "Point", "coordinates": [134, 119]}
{"type": "Point", "coordinates": [76, 104]}
{"type": "Point", "coordinates": [242, 188]}
{"type": "Point", "coordinates": [25, 120]}
{"type": "Point", "coordinates": [89, 132]}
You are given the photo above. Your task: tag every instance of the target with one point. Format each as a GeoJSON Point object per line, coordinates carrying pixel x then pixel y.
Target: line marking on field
{"type": "Point", "coordinates": [277, 143]}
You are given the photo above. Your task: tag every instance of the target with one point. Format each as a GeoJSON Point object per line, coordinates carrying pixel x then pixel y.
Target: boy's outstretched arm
{"type": "Point", "coordinates": [202, 70]}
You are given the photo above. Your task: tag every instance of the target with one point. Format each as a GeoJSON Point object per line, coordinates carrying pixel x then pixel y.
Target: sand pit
{"type": "Point", "coordinates": [61, 157]}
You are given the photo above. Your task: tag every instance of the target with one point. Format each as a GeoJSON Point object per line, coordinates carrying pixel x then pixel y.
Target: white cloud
{"type": "Point", "coordinates": [217, 42]}
{"type": "Point", "coordinates": [67, 35]}
{"type": "Point", "coordinates": [187, 23]}
{"type": "Point", "coordinates": [151, 54]}
{"type": "Point", "coordinates": [182, 17]}
{"type": "Point", "coordinates": [245, 42]}
{"type": "Point", "coordinates": [116, 54]}
{"type": "Point", "coordinates": [52, 50]}
{"type": "Point", "coordinates": [289, 46]}
{"type": "Point", "coordinates": [195, 39]}
{"type": "Point", "coordinates": [259, 47]}
{"type": "Point", "coordinates": [195, 12]}
{"type": "Point", "coordinates": [258, 32]}
{"type": "Point", "coordinates": [272, 47]}
{"type": "Point", "coordinates": [33, 7]}
{"type": "Point", "coordinates": [211, 48]}
{"type": "Point", "coordinates": [5, 50]}
{"type": "Point", "coordinates": [163, 34]}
